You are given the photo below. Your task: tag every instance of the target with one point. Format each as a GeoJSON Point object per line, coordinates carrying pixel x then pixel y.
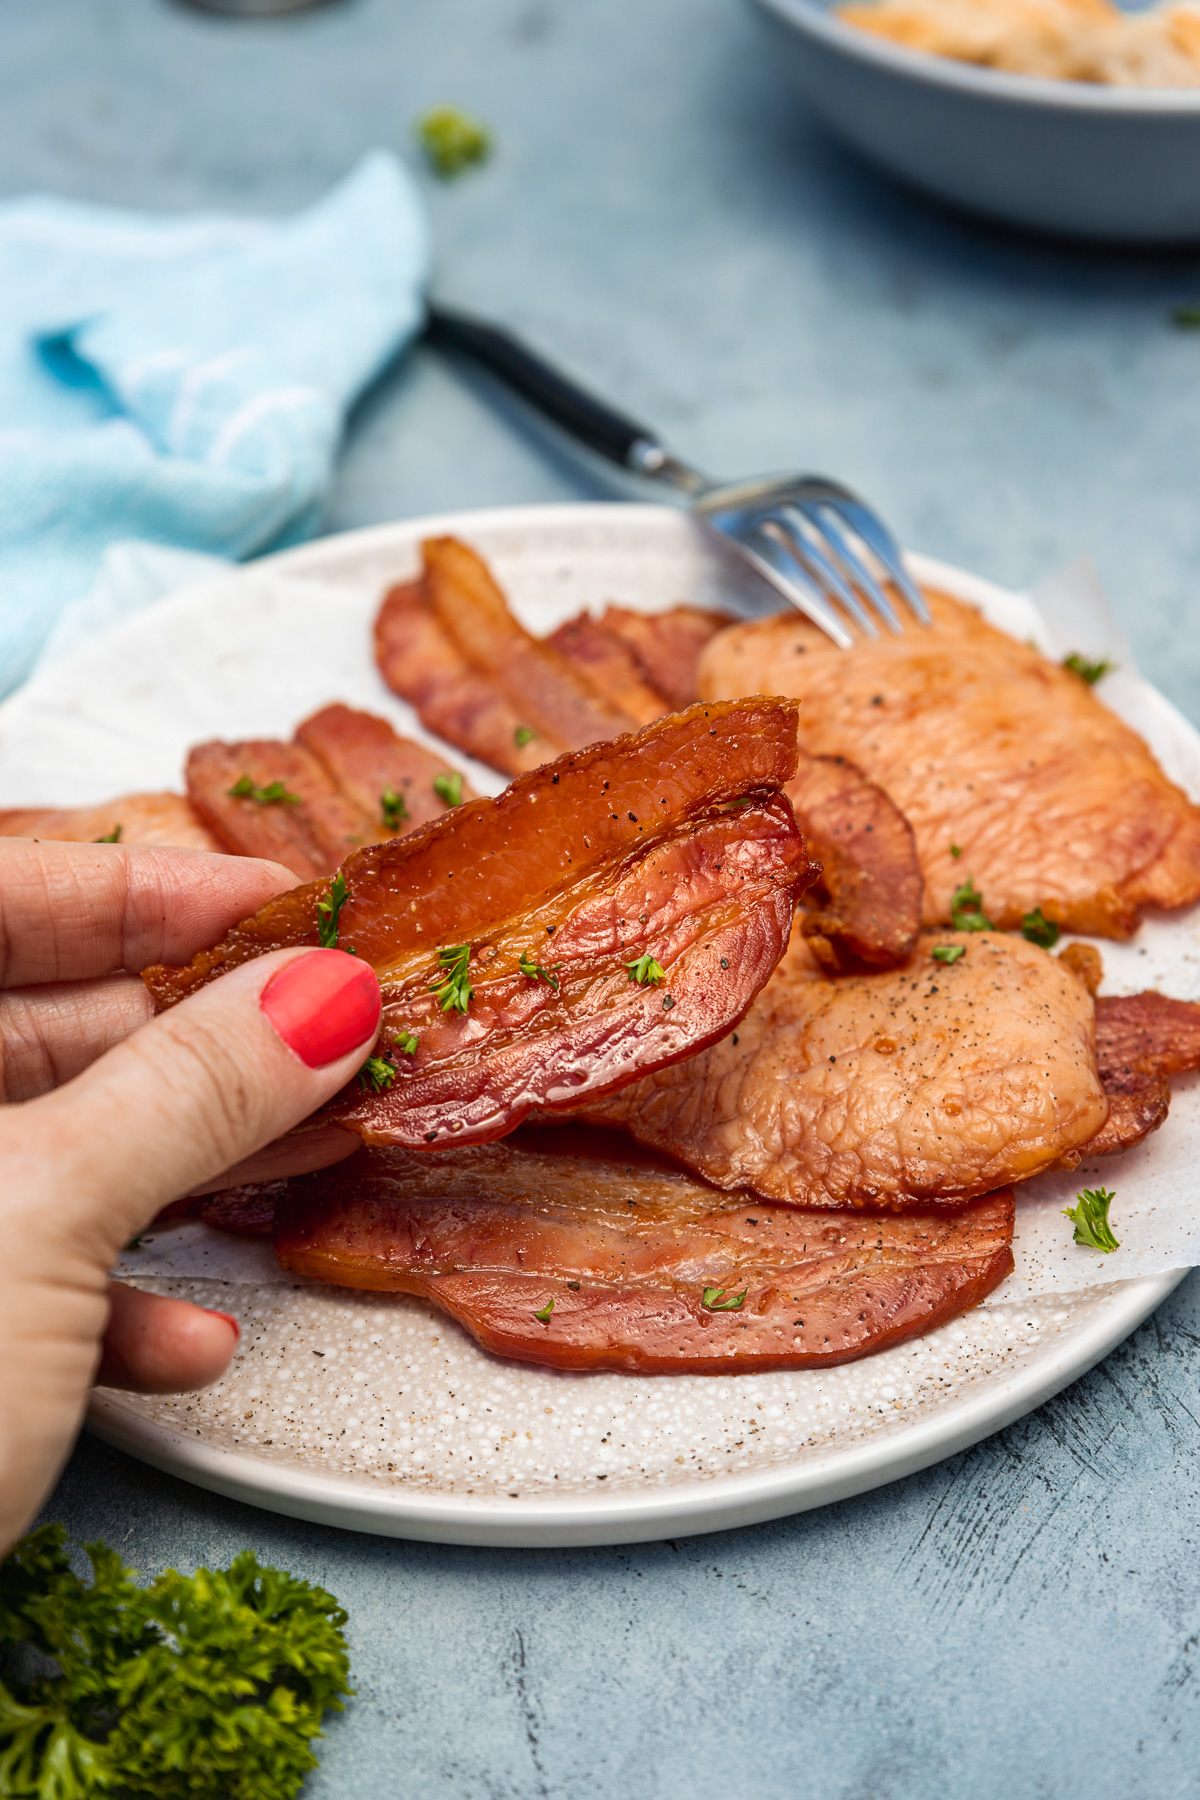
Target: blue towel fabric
{"type": "Point", "coordinates": [184, 381]}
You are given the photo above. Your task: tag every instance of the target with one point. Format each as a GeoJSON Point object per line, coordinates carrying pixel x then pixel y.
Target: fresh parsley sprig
{"type": "Point", "coordinates": [405, 1041]}
{"type": "Point", "coordinates": [453, 993]}
{"type": "Point", "coordinates": [273, 794]}
{"type": "Point", "coordinates": [712, 1300]}
{"type": "Point", "coordinates": [392, 809]}
{"type": "Point", "coordinates": [452, 140]}
{"type": "Point", "coordinates": [966, 909]}
{"type": "Point", "coordinates": [448, 787]}
{"type": "Point", "coordinates": [536, 971]}
{"type": "Point", "coordinates": [1039, 929]}
{"type": "Point", "coordinates": [523, 735]}
{"type": "Point", "coordinates": [543, 1317]}
{"type": "Point", "coordinates": [329, 912]}
{"type": "Point", "coordinates": [948, 953]}
{"type": "Point", "coordinates": [377, 1075]}
{"type": "Point", "coordinates": [111, 837]}
{"type": "Point", "coordinates": [1090, 1219]}
{"type": "Point", "coordinates": [198, 1687]}
{"type": "Point", "coordinates": [646, 972]}
{"type": "Point", "coordinates": [1087, 669]}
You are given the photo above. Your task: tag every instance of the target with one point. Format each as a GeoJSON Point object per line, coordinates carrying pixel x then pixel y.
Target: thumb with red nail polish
{"type": "Point", "coordinates": [186, 1096]}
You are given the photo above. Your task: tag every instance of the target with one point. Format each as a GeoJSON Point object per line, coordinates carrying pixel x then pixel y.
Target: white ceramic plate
{"type": "Point", "coordinates": [375, 1412]}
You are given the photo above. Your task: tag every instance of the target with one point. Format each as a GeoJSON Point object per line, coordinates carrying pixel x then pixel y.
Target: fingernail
{"type": "Point", "coordinates": [323, 1005]}
{"type": "Point", "coordinates": [229, 1320]}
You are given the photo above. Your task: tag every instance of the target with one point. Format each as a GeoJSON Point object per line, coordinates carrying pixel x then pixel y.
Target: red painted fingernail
{"type": "Point", "coordinates": [323, 1005]}
{"type": "Point", "coordinates": [228, 1318]}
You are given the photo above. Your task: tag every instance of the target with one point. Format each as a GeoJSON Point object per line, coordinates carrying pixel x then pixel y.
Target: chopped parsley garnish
{"type": "Point", "coordinates": [522, 736]}
{"type": "Point", "coordinates": [376, 1075]}
{"type": "Point", "coordinates": [210, 1684]}
{"type": "Point", "coordinates": [135, 1243]}
{"type": "Point", "coordinates": [393, 809]}
{"type": "Point", "coordinates": [329, 911]}
{"type": "Point", "coordinates": [537, 971]}
{"type": "Point", "coordinates": [1039, 929]}
{"type": "Point", "coordinates": [645, 971]}
{"type": "Point", "coordinates": [273, 794]}
{"type": "Point", "coordinates": [956, 851]}
{"type": "Point", "coordinates": [448, 787]}
{"type": "Point", "coordinates": [453, 992]}
{"type": "Point", "coordinates": [712, 1300]}
{"type": "Point", "coordinates": [1090, 1219]}
{"type": "Point", "coordinates": [452, 140]}
{"type": "Point", "coordinates": [543, 1317]}
{"type": "Point", "coordinates": [948, 953]}
{"type": "Point", "coordinates": [405, 1042]}
{"type": "Point", "coordinates": [1086, 669]}
{"type": "Point", "coordinates": [966, 909]}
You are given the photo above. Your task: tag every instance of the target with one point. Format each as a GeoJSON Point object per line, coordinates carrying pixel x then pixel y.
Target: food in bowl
{"type": "Point", "coordinates": [1067, 40]}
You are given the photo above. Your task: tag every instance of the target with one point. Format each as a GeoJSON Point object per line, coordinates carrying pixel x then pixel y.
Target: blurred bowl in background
{"type": "Point", "coordinates": [1114, 163]}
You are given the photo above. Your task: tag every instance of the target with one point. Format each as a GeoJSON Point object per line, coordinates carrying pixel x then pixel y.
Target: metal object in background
{"type": "Point", "coordinates": [816, 542]}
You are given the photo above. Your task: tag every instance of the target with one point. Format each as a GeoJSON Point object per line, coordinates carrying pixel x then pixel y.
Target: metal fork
{"type": "Point", "coordinates": [817, 543]}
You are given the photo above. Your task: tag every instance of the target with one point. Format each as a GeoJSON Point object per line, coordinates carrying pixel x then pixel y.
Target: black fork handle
{"type": "Point", "coordinates": [590, 421]}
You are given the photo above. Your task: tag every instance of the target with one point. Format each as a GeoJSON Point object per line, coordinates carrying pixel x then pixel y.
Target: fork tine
{"type": "Point", "coordinates": [775, 562]}
{"type": "Point", "coordinates": [821, 567]}
{"type": "Point", "coordinates": [875, 534]}
{"type": "Point", "coordinates": [852, 562]}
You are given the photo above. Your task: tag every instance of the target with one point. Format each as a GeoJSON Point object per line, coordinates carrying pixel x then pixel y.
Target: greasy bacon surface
{"type": "Point", "coordinates": [866, 905]}
{"type": "Point", "coordinates": [367, 759]}
{"type": "Point", "coordinates": [667, 645]}
{"type": "Point", "coordinates": [625, 1246]}
{"type": "Point", "coordinates": [580, 869]}
{"type": "Point", "coordinates": [1141, 1040]}
{"type": "Point", "coordinates": [310, 834]}
{"type": "Point", "coordinates": [140, 818]}
{"type": "Point", "coordinates": [985, 744]}
{"type": "Point", "coordinates": [914, 1086]}
{"type": "Point", "coordinates": [611, 667]}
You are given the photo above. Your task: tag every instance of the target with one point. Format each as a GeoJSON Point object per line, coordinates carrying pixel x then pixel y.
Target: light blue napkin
{"type": "Point", "coordinates": [183, 381]}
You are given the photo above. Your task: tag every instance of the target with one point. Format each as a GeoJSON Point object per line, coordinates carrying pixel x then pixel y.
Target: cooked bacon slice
{"type": "Point", "coordinates": [420, 662]}
{"type": "Point", "coordinates": [245, 1211]}
{"type": "Point", "coordinates": [1141, 1040]}
{"type": "Point", "coordinates": [310, 834]}
{"type": "Point", "coordinates": [137, 818]}
{"type": "Point", "coordinates": [866, 907]}
{"type": "Point", "coordinates": [987, 746]}
{"type": "Point", "coordinates": [625, 1248]}
{"type": "Point", "coordinates": [916, 1086]}
{"type": "Point", "coordinates": [667, 645]}
{"type": "Point", "coordinates": [367, 759]}
{"type": "Point", "coordinates": [611, 667]}
{"type": "Point", "coordinates": [580, 870]}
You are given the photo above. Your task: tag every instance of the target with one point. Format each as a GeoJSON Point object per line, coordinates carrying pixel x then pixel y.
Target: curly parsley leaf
{"type": "Point", "coordinates": [406, 1042]}
{"type": "Point", "coordinates": [453, 993]}
{"type": "Point", "coordinates": [966, 909]}
{"type": "Point", "coordinates": [646, 972]}
{"type": "Point", "coordinates": [1039, 929]}
{"type": "Point", "coordinates": [273, 794]}
{"type": "Point", "coordinates": [543, 1317]}
{"type": "Point", "coordinates": [329, 912]}
{"type": "Point", "coordinates": [392, 809]}
{"type": "Point", "coordinates": [448, 787]}
{"type": "Point", "coordinates": [1090, 1219]}
{"type": "Point", "coordinates": [111, 837]}
{"type": "Point", "coordinates": [948, 953]}
{"type": "Point", "coordinates": [1086, 669]}
{"type": "Point", "coordinates": [198, 1687]}
{"type": "Point", "coordinates": [712, 1300]}
{"type": "Point", "coordinates": [376, 1075]}
{"type": "Point", "coordinates": [536, 971]}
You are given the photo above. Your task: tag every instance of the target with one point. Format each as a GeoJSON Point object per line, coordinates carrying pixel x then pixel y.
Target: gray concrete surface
{"type": "Point", "coordinates": [1023, 1621]}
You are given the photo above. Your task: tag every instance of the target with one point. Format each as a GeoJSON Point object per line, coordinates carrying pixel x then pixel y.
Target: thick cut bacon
{"type": "Point", "coordinates": [624, 1248]}
{"type": "Point", "coordinates": [310, 833]}
{"type": "Point", "coordinates": [1141, 1040]}
{"type": "Point", "coordinates": [988, 748]}
{"type": "Point", "coordinates": [368, 760]}
{"type": "Point", "coordinates": [918, 1086]}
{"type": "Point", "coordinates": [578, 872]}
{"type": "Point", "coordinates": [667, 645]}
{"type": "Point", "coordinates": [866, 906]}
{"type": "Point", "coordinates": [611, 667]}
{"type": "Point", "coordinates": [135, 818]}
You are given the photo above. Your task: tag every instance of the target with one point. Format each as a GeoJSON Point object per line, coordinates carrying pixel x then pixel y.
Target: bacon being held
{"type": "Point", "coordinates": [132, 819]}
{"type": "Point", "coordinates": [580, 1252]}
{"type": "Point", "coordinates": [610, 913]}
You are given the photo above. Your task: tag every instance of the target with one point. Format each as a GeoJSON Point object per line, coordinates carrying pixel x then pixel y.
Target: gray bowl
{"type": "Point", "coordinates": [1058, 156]}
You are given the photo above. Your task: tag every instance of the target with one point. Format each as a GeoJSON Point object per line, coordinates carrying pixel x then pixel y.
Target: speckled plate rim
{"type": "Point", "coordinates": [717, 1504]}
{"type": "Point", "coordinates": [708, 1504]}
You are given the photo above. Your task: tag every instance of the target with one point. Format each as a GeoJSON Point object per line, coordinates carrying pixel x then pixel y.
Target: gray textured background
{"type": "Point", "coordinates": [1023, 1621]}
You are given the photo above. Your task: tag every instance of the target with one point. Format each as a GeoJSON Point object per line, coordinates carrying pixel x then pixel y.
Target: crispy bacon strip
{"type": "Point", "coordinates": [1141, 1040]}
{"type": "Point", "coordinates": [138, 818]}
{"type": "Point", "coordinates": [866, 908]}
{"type": "Point", "coordinates": [310, 833]}
{"type": "Point", "coordinates": [558, 887]}
{"type": "Point", "coordinates": [667, 645]}
{"type": "Point", "coordinates": [367, 759]}
{"type": "Point", "coordinates": [611, 667]}
{"type": "Point", "coordinates": [625, 1246]}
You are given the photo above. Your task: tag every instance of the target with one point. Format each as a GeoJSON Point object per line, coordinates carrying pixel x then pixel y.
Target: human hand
{"type": "Point", "coordinates": [114, 1113]}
